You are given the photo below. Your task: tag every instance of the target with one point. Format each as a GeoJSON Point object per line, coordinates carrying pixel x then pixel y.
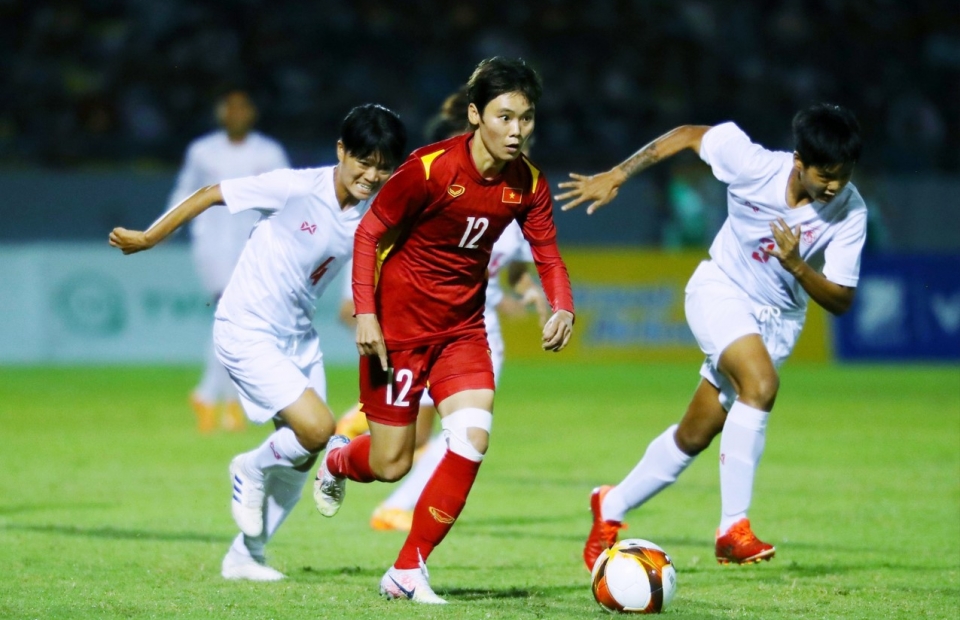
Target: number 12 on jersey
{"type": "Point", "coordinates": [474, 224]}
{"type": "Point", "coordinates": [404, 377]}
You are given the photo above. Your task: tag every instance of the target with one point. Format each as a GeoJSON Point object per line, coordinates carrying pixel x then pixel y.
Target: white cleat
{"type": "Point", "coordinates": [412, 584]}
{"type": "Point", "coordinates": [248, 498]}
{"type": "Point", "coordinates": [239, 566]}
{"type": "Point", "coordinates": [328, 490]}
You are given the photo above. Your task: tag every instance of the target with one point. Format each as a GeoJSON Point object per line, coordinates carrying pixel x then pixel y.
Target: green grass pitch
{"type": "Point", "coordinates": [111, 506]}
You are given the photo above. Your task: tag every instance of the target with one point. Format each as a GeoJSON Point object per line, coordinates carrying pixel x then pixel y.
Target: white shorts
{"type": "Point", "coordinates": [719, 312]}
{"type": "Point", "coordinates": [270, 372]}
{"type": "Point", "coordinates": [495, 341]}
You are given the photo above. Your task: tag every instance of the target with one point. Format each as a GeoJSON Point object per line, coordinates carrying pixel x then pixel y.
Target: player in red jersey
{"type": "Point", "coordinates": [420, 261]}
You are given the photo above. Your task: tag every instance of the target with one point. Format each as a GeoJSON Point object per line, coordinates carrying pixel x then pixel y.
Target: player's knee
{"type": "Point", "coordinates": [761, 392]}
{"type": "Point", "coordinates": [693, 440]}
{"type": "Point", "coordinates": [314, 433]}
{"type": "Point", "coordinates": [467, 432]}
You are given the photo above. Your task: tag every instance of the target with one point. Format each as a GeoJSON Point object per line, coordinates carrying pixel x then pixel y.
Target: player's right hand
{"type": "Point", "coordinates": [370, 338]}
{"type": "Point", "coordinates": [599, 188]}
{"type": "Point", "coordinates": [129, 241]}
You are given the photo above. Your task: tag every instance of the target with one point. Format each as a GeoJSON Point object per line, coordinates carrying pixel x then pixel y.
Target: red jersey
{"type": "Point", "coordinates": [430, 231]}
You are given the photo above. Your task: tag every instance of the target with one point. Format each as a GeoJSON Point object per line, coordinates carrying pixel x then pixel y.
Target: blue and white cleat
{"type": "Point", "coordinates": [248, 498]}
{"type": "Point", "coordinates": [329, 490]}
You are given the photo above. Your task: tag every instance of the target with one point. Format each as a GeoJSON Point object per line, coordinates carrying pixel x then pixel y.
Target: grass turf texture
{"type": "Point", "coordinates": [111, 506]}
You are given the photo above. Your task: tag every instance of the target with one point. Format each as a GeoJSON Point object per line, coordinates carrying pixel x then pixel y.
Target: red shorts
{"type": "Point", "coordinates": [446, 368]}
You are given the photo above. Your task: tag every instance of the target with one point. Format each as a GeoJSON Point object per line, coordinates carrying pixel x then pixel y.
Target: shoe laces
{"type": "Point", "coordinates": [609, 530]}
{"type": "Point", "coordinates": [741, 533]}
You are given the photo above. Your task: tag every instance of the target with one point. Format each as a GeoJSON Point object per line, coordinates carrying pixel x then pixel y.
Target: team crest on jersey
{"type": "Point", "coordinates": [809, 236]}
{"type": "Point", "coordinates": [456, 190]}
{"type": "Point", "coordinates": [511, 195]}
{"type": "Point", "coordinates": [310, 228]}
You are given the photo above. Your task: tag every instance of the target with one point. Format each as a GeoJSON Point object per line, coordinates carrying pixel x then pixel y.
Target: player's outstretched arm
{"type": "Point", "coordinates": [131, 241]}
{"type": "Point", "coordinates": [601, 188]}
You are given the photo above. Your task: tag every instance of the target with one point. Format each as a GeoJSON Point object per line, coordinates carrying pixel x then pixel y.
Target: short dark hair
{"type": "Point", "coordinates": [826, 135]}
{"type": "Point", "coordinates": [497, 76]}
{"type": "Point", "coordinates": [370, 129]}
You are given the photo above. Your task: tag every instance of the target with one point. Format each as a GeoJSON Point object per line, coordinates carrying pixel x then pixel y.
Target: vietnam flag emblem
{"type": "Point", "coordinates": [511, 195]}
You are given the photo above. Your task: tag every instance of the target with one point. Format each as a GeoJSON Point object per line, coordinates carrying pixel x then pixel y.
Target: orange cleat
{"type": "Point", "coordinates": [603, 534]}
{"type": "Point", "coordinates": [206, 415]}
{"type": "Point", "coordinates": [386, 519]}
{"type": "Point", "coordinates": [740, 546]}
{"type": "Point", "coordinates": [234, 419]}
{"type": "Point", "coordinates": [353, 423]}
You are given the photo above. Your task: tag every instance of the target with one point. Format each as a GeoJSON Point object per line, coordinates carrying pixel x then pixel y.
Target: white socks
{"type": "Point", "coordinates": [283, 488]}
{"type": "Point", "coordinates": [281, 450]}
{"type": "Point", "coordinates": [741, 446]}
{"type": "Point", "coordinates": [215, 383]}
{"type": "Point", "coordinates": [408, 492]}
{"type": "Point", "coordinates": [661, 464]}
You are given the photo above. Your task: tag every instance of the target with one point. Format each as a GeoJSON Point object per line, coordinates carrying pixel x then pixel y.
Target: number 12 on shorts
{"type": "Point", "coordinates": [405, 379]}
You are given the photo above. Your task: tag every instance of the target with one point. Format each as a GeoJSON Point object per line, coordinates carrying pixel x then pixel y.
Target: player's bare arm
{"type": "Point", "coordinates": [131, 241]}
{"type": "Point", "coordinates": [557, 331]}
{"type": "Point", "coordinates": [370, 338]}
{"type": "Point", "coordinates": [529, 291]}
{"type": "Point", "coordinates": [601, 188]}
{"type": "Point", "coordinates": [834, 298]}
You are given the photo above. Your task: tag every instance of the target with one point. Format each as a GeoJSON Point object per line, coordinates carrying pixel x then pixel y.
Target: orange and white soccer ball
{"type": "Point", "coordinates": [634, 576]}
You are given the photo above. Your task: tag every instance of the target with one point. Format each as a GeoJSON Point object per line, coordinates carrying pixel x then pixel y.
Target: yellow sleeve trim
{"type": "Point", "coordinates": [536, 175]}
{"type": "Point", "coordinates": [427, 161]}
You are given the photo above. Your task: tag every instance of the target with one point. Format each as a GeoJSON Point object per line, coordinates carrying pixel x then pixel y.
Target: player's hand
{"type": "Point", "coordinates": [533, 296]}
{"type": "Point", "coordinates": [557, 331]}
{"type": "Point", "coordinates": [599, 189]}
{"type": "Point", "coordinates": [787, 250]}
{"type": "Point", "coordinates": [129, 241]}
{"type": "Point", "coordinates": [370, 338]}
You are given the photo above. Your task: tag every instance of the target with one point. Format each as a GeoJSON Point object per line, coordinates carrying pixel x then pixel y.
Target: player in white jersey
{"type": "Point", "coordinates": [795, 229]}
{"type": "Point", "coordinates": [263, 332]}
{"type": "Point", "coordinates": [217, 236]}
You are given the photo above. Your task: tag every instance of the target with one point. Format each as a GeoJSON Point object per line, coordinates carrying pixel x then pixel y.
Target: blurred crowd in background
{"type": "Point", "coordinates": [131, 81]}
{"type": "Point", "coordinates": [127, 84]}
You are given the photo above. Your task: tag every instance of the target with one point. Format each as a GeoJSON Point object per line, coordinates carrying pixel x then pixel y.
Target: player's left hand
{"type": "Point", "coordinates": [129, 241]}
{"type": "Point", "coordinates": [787, 250]}
{"type": "Point", "coordinates": [557, 331]}
{"type": "Point", "coordinates": [598, 189]}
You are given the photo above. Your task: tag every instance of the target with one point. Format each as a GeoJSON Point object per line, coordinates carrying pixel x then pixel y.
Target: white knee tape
{"type": "Point", "coordinates": [455, 428]}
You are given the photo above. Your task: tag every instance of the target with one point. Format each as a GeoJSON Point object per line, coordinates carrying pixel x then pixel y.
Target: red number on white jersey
{"type": "Point", "coordinates": [320, 270]}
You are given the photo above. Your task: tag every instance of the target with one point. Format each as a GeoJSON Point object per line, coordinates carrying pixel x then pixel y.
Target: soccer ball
{"type": "Point", "coordinates": [634, 576]}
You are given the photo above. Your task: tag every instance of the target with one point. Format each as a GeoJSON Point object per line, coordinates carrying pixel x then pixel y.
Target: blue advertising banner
{"type": "Point", "coordinates": [907, 308]}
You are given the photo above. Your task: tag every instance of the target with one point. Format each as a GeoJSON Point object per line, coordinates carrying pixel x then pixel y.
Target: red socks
{"type": "Point", "coordinates": [439, 506]}
{"type": "Point", "coordinates": [352, 461]}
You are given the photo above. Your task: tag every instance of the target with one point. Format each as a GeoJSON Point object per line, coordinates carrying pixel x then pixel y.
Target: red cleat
{"type": "Point", "coordinates": [740, 546]}
{"type": "Point", "coordinates": [603, 534]}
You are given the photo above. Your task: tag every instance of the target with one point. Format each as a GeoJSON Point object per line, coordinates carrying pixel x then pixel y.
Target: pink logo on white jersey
{"type": "Point", "coordinates": [310, 228]}
{"type": "Point", "coordinates": [765, 244]}
{"type": "Point", "coordinates": [274, 450]}
{"type": "Point", "coordinates": [755, 208]}
{"type": "Point", "coordinates": [809, 236]}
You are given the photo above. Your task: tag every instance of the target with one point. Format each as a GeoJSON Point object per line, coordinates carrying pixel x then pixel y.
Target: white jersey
{"type": "Point", "coordinates": [832, 234]}
{"type": "Point", "coordinates": [218, 235]}
{"type": "Point", "coordinates": [509, 248]}
{"type": "Point", "coordinates": [296, 249]}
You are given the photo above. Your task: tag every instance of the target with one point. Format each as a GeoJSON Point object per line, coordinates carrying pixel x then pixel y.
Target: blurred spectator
{"type": "Point", "coordinates": [124, 81]}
